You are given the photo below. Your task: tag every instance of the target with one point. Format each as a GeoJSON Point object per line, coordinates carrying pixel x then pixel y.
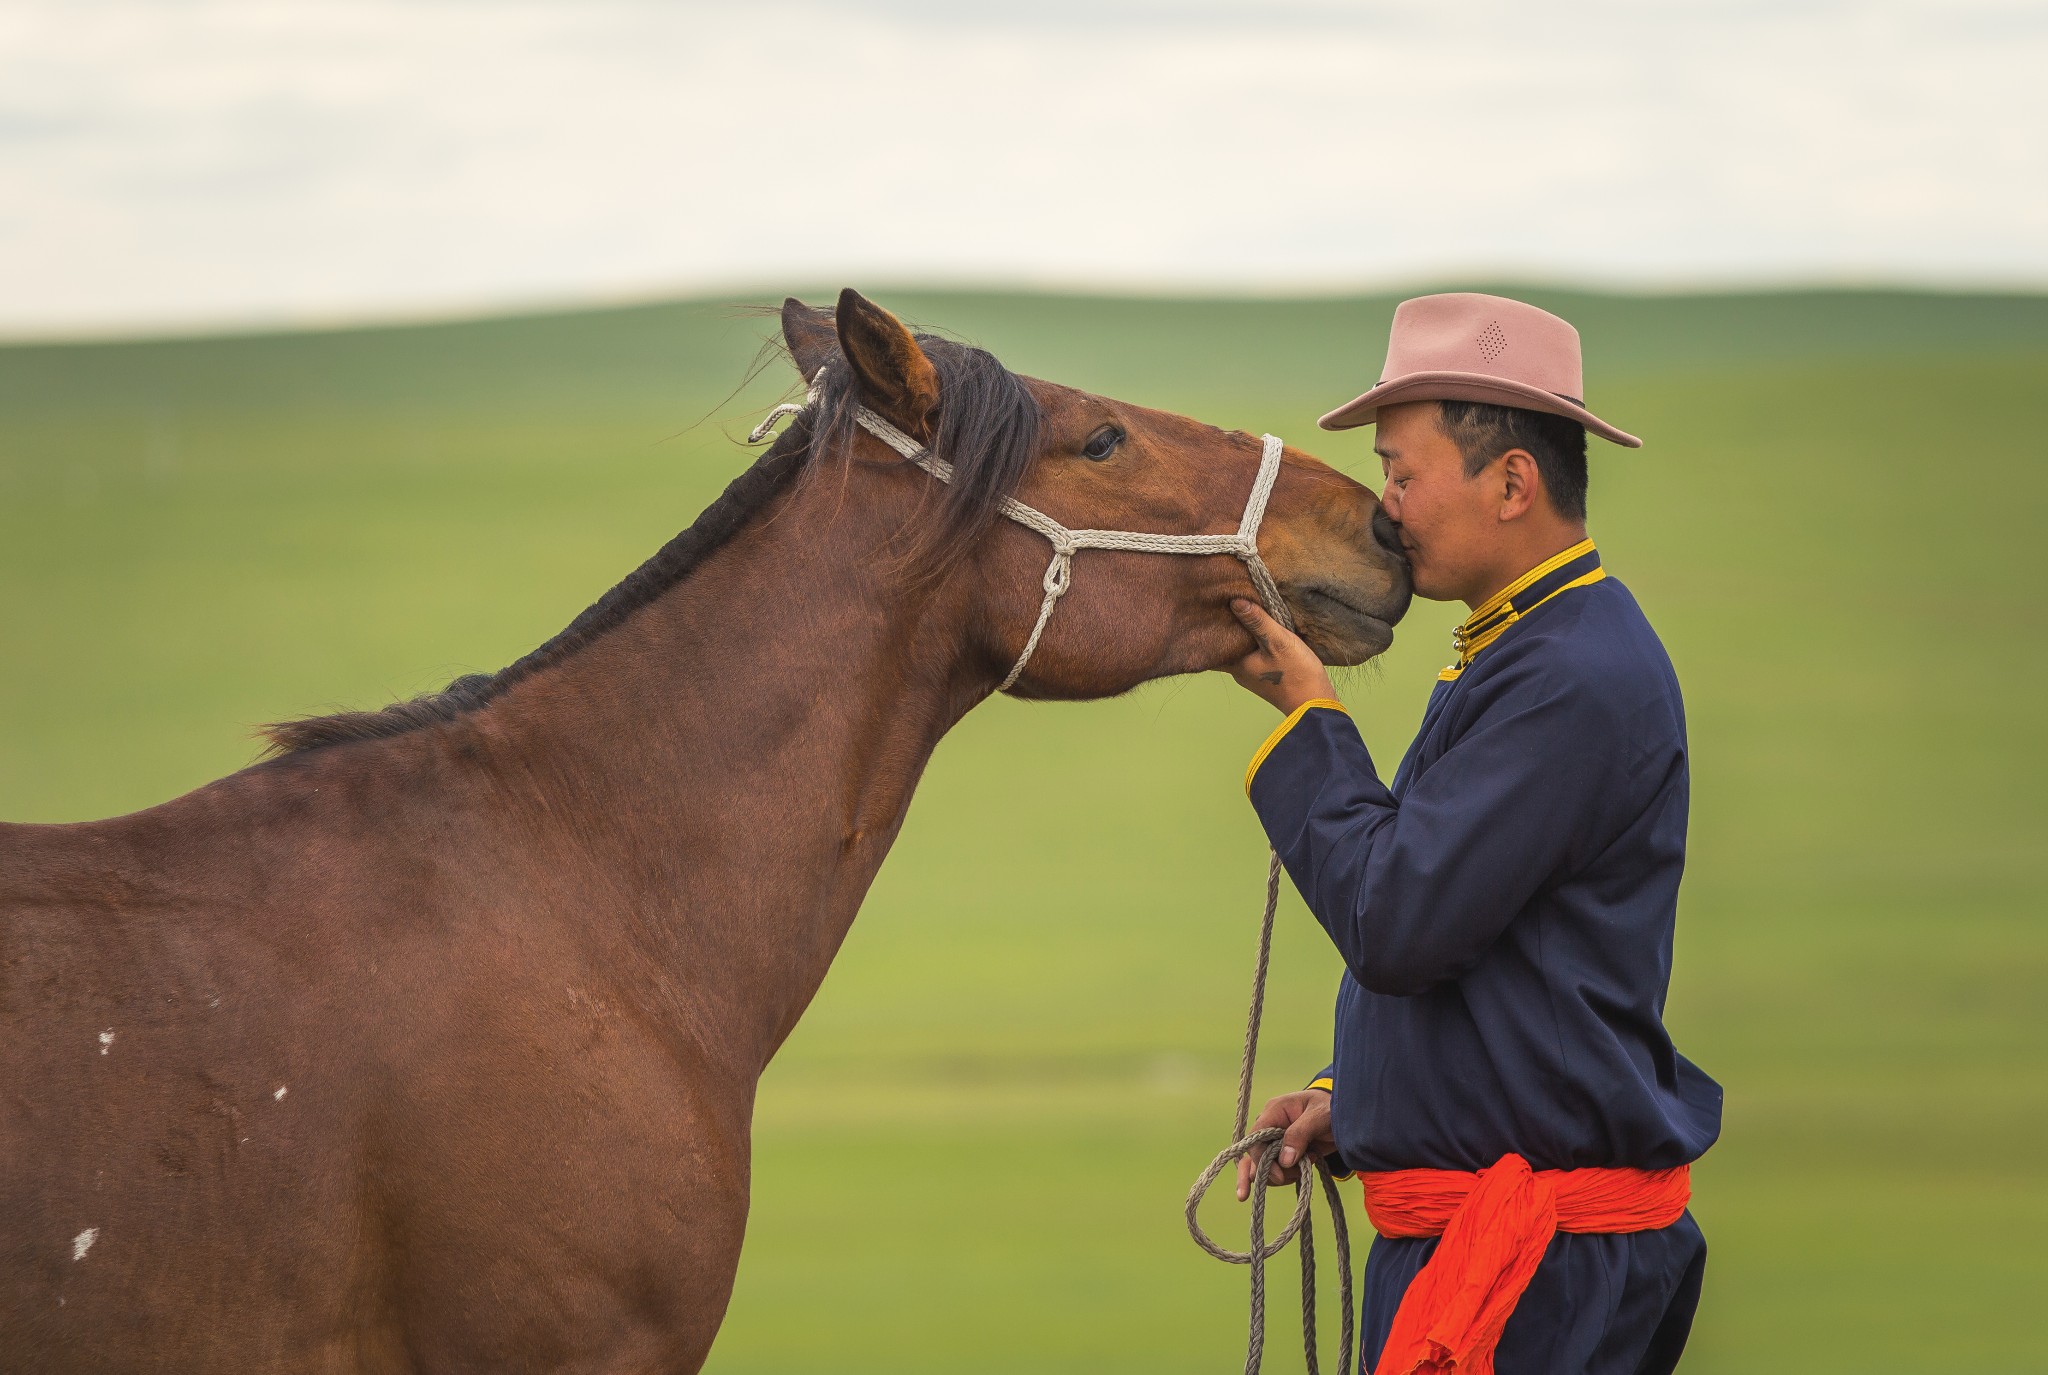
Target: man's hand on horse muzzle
{"type": "Point", "coordinates": [1283, 669]}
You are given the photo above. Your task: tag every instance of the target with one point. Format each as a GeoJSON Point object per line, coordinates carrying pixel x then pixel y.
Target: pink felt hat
{"type": "Point", "coordinates": [1462, 346]}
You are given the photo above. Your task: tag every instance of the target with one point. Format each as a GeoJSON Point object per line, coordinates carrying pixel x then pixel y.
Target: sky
{"type": "Point", "coordinates": [203, 163]}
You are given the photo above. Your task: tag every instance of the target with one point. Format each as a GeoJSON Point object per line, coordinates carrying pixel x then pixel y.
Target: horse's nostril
{"type": "Point", "coordinates": [1386, 535]}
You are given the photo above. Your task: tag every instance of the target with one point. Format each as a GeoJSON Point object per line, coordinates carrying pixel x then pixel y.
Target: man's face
{"type": "Point", "coordinates": [1449, 523]}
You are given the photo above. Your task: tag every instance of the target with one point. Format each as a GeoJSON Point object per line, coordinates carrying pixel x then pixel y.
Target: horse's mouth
{"type": "Point", "coordinates": [1362, 633]}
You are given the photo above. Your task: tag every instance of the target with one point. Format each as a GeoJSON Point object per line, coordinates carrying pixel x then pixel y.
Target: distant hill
{"type": "Point", "coordinates": [691, 353]}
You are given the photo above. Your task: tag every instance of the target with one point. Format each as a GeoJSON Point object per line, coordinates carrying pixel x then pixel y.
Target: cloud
{"type": "Point", "coordinates": [216, 160]}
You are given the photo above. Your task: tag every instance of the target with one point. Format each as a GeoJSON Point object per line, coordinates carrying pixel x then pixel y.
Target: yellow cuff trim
{"type": "Point", "coordinates": [1280, 733]}
{"type": "Point", "coordinates": [1327, 1084]}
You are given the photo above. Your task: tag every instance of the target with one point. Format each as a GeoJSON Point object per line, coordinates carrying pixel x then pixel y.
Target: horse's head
{"type": "Point", "coordinates": [1092, 463]}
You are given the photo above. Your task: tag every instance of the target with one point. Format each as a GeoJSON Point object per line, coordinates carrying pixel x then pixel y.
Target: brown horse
{"type": "Point", "coordinates": [431, 1042]}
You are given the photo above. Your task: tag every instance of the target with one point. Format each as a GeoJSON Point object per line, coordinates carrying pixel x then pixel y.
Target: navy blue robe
{"type": "Point", "coordinates": [1505, 914]}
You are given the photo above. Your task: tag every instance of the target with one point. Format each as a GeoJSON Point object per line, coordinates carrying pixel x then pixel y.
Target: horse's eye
{"type": "Point", "coordinates": [1102, 443]}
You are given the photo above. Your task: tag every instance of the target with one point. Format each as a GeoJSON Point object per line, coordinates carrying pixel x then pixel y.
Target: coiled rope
{"type": "Point", "coordinates": [1264, 1145]}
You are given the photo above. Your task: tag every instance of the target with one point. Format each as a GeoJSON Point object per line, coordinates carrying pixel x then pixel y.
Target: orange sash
{"type": "Point", "coordinates": [1495, 1226]}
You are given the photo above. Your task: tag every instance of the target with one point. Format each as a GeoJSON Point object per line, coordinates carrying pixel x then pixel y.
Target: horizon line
{"type": "Point", "coordinates": [282, 323]}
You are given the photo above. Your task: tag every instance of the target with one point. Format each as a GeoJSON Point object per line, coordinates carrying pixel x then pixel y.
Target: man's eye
{"type": "Point", "coordinates": [1102, 443]}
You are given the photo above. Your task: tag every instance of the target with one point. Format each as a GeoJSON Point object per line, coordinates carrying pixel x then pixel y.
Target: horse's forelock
{"type": "Point", "coordinates": [990, 428]}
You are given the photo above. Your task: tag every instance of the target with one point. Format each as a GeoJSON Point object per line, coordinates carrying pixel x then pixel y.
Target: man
{"type": "Point", "coordinates": [1502, 1081]}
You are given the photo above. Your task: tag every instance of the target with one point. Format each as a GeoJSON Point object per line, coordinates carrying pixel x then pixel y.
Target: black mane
{"type": "Point", "coordinates": [988, 428]}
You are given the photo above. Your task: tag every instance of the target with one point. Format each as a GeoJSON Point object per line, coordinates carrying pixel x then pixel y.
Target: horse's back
{"type": "Point", "coordinates": [150, 1139]}
{"type": "Point", "coordinates": [122, 920]}
{"type": "Point", "coordinates": [281, 1094]}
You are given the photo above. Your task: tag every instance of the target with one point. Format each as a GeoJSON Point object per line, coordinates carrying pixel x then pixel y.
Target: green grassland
{"type": "Point", "coordinates": [972, 1152]}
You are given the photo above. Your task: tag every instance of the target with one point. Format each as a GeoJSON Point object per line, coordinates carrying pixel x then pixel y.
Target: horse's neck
{"type": "Point", "coordinates": [732, 763]}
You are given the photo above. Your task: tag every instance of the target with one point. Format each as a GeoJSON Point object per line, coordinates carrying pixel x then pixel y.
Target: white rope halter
{"type": "Point", "coordinates": [1059, 574]}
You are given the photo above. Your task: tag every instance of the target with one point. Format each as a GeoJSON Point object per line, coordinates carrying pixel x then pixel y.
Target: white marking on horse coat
{"type": "Point", "coordinates": [82, 1243]}
{"type": "Point", "coordinates": [106, 1044]}
{"type": "Point", "coordinates": [280, 1092]}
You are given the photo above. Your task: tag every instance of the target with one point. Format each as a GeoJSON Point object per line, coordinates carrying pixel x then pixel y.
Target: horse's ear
{"type": "Point", "coordinates": [808, 333]}
{"type": "Point", "coordinates": [894, 376]}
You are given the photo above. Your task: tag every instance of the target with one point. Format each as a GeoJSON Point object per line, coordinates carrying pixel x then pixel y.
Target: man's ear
{"type": "Point", "coordinates": [1521, 483]}
{"type": "Point", "coordinates": [895, 379]}
{"type": "Point", "coordinates": [809, 335]}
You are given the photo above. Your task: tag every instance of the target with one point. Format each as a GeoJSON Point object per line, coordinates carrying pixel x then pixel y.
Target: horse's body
{"type": "Point", "coordinates": [432, 1043]}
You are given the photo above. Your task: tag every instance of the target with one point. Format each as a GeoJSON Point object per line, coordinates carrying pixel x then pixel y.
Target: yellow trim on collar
{"type": "Point", "coordinates": [1549, 565]}
{"type": "Point", "coordinates": [1280, 733]}
{"type": "Point", "coordinates": [1491, 618]}
{"type": "Point", "coordinates": [1326, 1083]}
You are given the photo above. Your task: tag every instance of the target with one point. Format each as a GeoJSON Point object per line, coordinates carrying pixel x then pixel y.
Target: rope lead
{"type": "Point", "coordinates": [1266, 1143]}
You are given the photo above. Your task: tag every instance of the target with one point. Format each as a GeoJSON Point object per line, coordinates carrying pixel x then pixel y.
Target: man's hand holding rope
{"type": "Point", "coordinates": [1306, 1116]}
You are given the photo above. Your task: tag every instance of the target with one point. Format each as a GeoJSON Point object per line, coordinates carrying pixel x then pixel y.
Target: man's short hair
{"type": "Point", "coordinates": [1484, 432]}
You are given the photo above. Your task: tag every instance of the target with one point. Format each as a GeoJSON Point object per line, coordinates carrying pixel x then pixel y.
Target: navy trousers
{"type": "Point", "coordinates": [1599, 1304]}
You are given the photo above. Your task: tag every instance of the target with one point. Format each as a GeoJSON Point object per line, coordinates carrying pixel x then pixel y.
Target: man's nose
{"type": "Point", "coordinates": [1390, 502]}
